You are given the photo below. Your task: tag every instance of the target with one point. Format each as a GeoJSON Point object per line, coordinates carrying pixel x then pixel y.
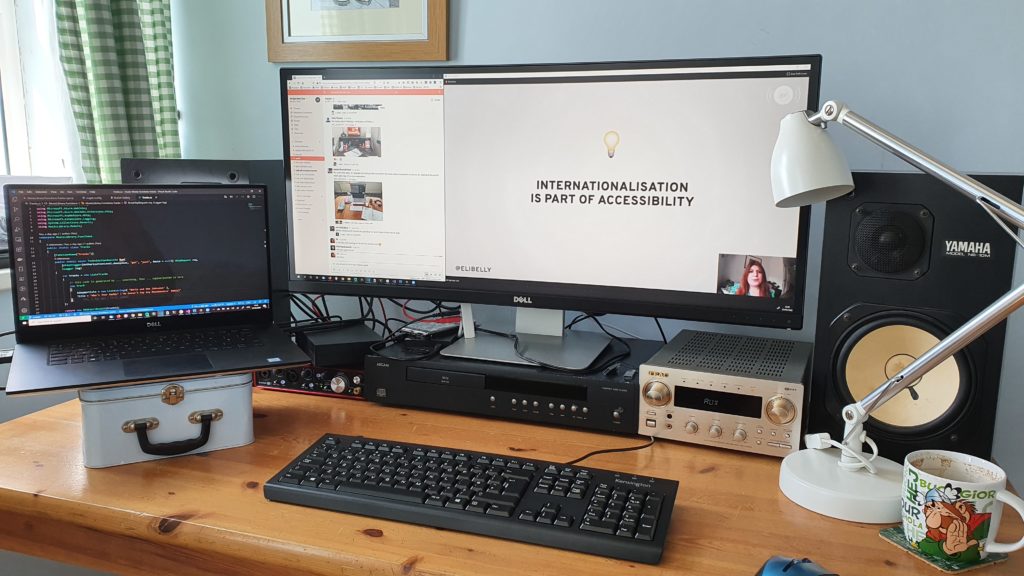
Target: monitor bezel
{"type": "Point", "coordinates": [698, 306]}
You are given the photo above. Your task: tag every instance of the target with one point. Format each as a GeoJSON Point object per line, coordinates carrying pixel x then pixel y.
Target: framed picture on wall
{"type": "Point", "coordinates": [356, 30]}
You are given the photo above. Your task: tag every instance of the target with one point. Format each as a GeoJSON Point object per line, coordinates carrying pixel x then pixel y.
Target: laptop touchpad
{"type": "Point", "coordinates": [163, 365]}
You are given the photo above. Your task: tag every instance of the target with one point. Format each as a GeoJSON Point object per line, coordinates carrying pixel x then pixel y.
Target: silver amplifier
{"type": "Point", "coordinates": [738, 392]}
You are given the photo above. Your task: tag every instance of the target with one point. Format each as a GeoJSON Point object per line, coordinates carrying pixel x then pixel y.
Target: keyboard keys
{"type": "Point", "coordinates": [568, 506]}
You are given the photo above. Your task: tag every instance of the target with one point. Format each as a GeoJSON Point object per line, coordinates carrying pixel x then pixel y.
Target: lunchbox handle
{"type": "Point", "coordinates": [142, 427]}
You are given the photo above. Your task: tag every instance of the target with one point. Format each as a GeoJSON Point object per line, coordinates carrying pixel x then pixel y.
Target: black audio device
{"type": "Point", "coordinates": [338, 382]}
{"type": "Point", "coordinates": [337, 346]}
{"type": "Point", "coordinates": [605, 400]}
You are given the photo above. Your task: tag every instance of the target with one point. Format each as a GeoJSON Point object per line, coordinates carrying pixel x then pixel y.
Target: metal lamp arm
{"type": "Point", "coordinates": [838, 112]}
{"type": "Point", "coordinates": [856, 413]}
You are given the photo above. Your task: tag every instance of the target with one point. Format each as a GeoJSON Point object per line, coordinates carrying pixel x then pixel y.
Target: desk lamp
{"type": "Point", "coordinates": [838, 479]}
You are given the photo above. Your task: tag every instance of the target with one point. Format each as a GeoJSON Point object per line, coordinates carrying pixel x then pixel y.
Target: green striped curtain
{"type": "Point", "coordinates": [117, 60]}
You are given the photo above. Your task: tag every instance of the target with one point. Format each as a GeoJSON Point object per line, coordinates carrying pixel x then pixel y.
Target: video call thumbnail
{"type": "Point", "coordinates": [756, 276]}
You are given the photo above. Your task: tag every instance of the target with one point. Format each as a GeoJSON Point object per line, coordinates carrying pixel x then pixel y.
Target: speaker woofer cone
{"type": "Point", "coordinates": [877, 349]}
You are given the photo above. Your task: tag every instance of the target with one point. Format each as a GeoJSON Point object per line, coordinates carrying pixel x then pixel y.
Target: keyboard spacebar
{"type": "Point", "coordinates": [380, 492]}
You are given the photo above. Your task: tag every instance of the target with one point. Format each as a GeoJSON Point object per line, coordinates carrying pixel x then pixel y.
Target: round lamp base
{"type": "Point", "coordinates": [814, 480]}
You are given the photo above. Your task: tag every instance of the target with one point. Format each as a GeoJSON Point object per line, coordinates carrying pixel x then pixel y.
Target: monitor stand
{"type": "Point", "coordinates": [541, 338]}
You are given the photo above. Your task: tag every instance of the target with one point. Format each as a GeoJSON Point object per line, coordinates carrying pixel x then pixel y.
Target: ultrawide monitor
{"type": "Point", "coordinates": [637, 188]}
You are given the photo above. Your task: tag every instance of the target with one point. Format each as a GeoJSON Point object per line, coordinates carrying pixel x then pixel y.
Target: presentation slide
{"type": "Point", "coordinates": [635, 184]}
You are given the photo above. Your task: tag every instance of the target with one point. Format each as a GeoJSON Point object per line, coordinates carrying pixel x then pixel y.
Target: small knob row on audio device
{"type": "Point", "coordinates": [657, 393]}
{"type": "Point", "coordinates": [739, 435]}
{"type": "Point", "coordinates": [715, 431]}
{"type": "Point", "coordinates": [691, 427]}
{"type": "Point", "coordinates": [780, 410]}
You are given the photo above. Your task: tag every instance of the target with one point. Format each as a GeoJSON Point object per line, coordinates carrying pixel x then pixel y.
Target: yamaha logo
{"type": "Point", "coordinates": [522, 300]}
{"type": "Point", "coordinates": [969, 249]}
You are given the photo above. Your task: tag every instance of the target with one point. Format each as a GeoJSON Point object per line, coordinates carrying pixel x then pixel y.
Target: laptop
{"type": "Point", "coordinates": [358, 194]}
{"type": "Point", "coordinates": [116, 284]}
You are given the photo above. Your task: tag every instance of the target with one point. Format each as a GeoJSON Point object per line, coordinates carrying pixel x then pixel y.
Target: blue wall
{"type": "Point", "coordinates": [946, 75]}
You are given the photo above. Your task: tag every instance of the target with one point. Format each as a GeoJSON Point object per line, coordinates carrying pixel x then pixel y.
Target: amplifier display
{"type": "Point", "coordinates": [338, 382]}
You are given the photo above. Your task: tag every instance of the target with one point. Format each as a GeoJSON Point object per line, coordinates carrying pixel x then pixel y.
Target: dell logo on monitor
{"type": "Point", "coordinates": [152, 324]}
{"type": "Point", "coordinates": [521, 300]}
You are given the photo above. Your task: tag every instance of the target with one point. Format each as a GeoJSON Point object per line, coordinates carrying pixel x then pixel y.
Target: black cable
{"type": "Point", "coordinates": [658, 322]}
{"type": "Point", "coordinates": [405, 306]}
{"type": "Point", "coordinates": [313, 305]}
{"type": "Point", "coordinates": [581, 317]}
{"type": "Point", "coordinates": [576, 320]}
{"type": "Point", "coordinates": [303, 307]}
{"type": "Point", "coordinates": [8, 333]}
{"type": "Point", "coordinates": [609, 451]}
{"type": "Point", "coordinates": [388, 332]}
{"type": "Point", "coordinates": [323, 300]}
{"type": "Point", "coordinates": [384, 313]}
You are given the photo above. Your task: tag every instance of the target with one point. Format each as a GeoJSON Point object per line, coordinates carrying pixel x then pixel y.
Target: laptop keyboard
{"type": "Point", "coordinates": [147, 345]}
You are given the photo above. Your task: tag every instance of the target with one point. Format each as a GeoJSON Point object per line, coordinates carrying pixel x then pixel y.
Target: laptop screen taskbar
{"type": "Point", "coordinates": [107, 314]}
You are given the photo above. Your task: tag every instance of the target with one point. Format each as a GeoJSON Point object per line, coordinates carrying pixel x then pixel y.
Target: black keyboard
{"type": "Point", "coordinates": [156, 344]}
{"type": "Point", "coordinates": [584, 509]}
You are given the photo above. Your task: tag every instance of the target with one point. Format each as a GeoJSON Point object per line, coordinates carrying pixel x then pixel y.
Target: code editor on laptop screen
{"type": "Point", "coordinates": [85, 254]}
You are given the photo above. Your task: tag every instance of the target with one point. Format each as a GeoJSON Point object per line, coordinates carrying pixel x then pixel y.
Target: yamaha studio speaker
{"type": "Point", "coordinates": [270, 173]}
{"type": "Point", "coordinates": [905, 261]}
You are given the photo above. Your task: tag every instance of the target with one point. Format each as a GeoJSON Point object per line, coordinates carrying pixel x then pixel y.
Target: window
{"type": "Point", "coordinates": [37, 131]}
{"type": "Point", "coordinates": [5, 165]}
{"type": "Point", "coordinates": [13, 136]}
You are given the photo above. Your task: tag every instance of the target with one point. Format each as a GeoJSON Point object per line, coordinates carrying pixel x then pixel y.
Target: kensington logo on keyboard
{"type": "Point", "coordinates": [635, 482]}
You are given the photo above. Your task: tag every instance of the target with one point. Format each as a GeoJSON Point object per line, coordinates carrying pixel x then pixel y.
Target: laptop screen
{"type": "Point", "coordinates": [87, 257]}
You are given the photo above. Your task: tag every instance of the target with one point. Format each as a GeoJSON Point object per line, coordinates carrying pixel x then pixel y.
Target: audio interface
{"type": "Point", "coordinates": [737, 392]}
{"type": "Point", "coordinates": [309, 379]}
{"type": "Point", "coordinates": [605, 400]}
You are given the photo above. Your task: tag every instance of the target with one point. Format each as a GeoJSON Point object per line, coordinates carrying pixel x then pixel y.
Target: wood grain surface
{"type": "Point", "coordinates": [206, 514]}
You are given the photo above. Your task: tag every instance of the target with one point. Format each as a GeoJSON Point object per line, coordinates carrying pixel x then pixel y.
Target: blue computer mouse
{"type": "Point", "coordinates": [782, 566]}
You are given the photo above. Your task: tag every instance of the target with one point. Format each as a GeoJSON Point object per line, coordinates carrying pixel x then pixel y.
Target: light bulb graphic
{"type": "Point", "coordinates": [611, 140]}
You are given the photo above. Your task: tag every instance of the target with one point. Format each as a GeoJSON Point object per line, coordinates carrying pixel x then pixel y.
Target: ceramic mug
{"type": "Point", "coordinates": [952, 504]}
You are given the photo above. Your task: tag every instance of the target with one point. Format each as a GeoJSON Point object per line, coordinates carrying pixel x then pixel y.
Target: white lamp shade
{"type": "Point", "coordinates": [807, 167]}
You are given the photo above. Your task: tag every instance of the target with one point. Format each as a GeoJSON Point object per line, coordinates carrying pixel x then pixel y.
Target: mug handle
{"type": "Point", "coordinates": [1018, 504]}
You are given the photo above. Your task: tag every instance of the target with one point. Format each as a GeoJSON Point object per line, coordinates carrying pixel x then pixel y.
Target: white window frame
{"type": "Point", "coordinates": [15, 120]}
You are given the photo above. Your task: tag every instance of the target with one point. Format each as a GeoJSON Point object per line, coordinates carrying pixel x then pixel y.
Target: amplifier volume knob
{"type": "Point", "coordinates": [691, 427]}
{"type": "Point", "coordinates": [739, 435]}
{"type": "Point", "coordinates": [339, 383]}
{"type": "Point", "coordinates": [780, 410]}
{"type": "Point", "coordinates": [715, 431]}
{"type": "Point", "coordinates": [656, 393]}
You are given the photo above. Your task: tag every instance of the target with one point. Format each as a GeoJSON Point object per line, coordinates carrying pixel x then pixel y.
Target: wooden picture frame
{"type": "Point", "coordinates": [434, 47]}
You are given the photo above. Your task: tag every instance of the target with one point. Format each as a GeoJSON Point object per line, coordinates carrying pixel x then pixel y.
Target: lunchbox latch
{"type": "Point", "coordinates": [172, 394]}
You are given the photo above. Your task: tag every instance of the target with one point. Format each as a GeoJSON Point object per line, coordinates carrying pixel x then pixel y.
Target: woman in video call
{"type": "Point", "coordinates": [755, 282]}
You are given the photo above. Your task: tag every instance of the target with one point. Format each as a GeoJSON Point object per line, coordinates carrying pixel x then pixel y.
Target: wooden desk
{"type": "Point", "coordinates": [347, 213]}
{"type": "Point", "coordinates": [206, 514]}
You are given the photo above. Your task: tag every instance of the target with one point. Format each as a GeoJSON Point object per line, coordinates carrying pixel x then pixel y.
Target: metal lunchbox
{"type": "Point", "coordinates": [151, 421]}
